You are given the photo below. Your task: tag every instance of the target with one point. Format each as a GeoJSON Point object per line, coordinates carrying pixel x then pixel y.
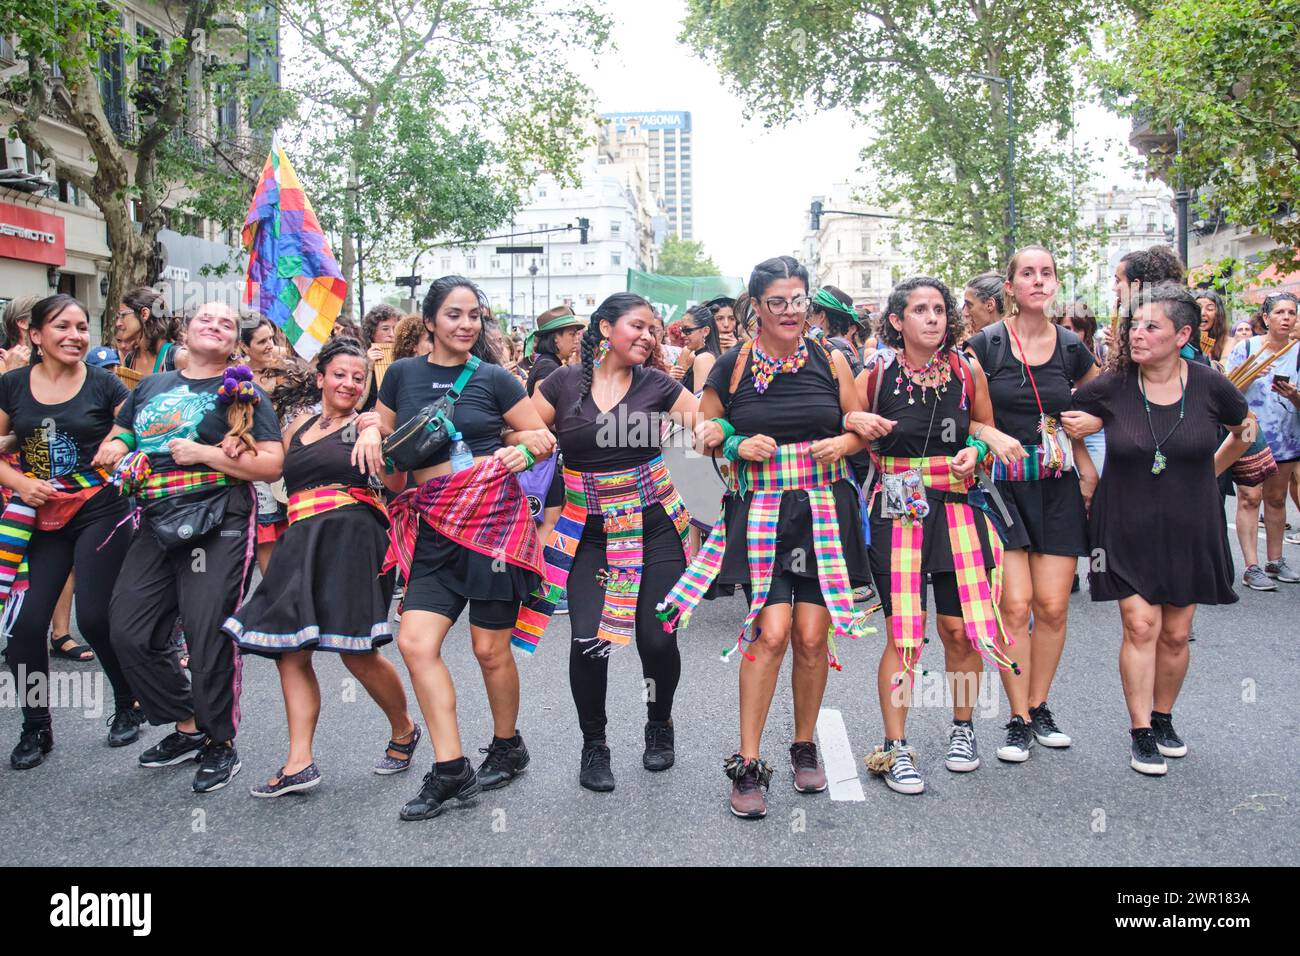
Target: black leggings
{"type": "Point", "coordinates": [661, 661]}
{"type": "Point", "coordinates": [50, 556]}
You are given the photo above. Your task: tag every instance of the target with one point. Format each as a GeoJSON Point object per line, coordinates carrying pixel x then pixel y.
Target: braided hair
{"type": "Point", "coordinates": [611, 310]}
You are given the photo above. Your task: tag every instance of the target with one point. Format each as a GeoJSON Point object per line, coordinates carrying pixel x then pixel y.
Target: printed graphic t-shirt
{"type": "Point", "coordinates": [57, 440]}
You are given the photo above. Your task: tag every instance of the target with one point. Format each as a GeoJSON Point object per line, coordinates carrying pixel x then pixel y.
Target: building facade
{"type": "Point", "coordinates": [863, 256]}
{"type": "Point", "coordinates": [665, 137]}
{"type": "Point", "coordinates": [54, 239]}
{"type": "Point", "coordinates": [1134, 218]}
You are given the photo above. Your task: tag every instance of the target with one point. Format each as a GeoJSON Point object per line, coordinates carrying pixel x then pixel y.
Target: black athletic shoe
{"type": "Point", "coordinates": [218, 764]}
{"type": "Point", "coordinates": [596, 773]}
{"type": "Point", "coordinates": [1167, 740]}
{"type": "Point", "coordinates": [124, 726]}
{"type": "Point", "coordinates": [658, 745]}
{"type": "Point", "coordinates": [33, 744]}
{"type": "Point", "coordinates": [175, 748]}
{"type": "Point", "coordinates": [437, 790]}
{"type": "Point", "coordinates": [1146, 757]}
{"type": "Point", "coordinates": [1019, 739]}
{"type": "Point", "coordinates": [1043, 724]}
{"type": "Point", "coordinates": [503, 763]}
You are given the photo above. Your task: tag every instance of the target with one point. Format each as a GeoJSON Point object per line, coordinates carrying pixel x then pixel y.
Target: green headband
{"type": "Point", "coordinates": [825, 300]}
{"type": "Point", "coordinates": [554, 325]}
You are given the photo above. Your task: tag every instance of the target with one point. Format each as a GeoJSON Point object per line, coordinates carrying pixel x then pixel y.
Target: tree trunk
{"type": "Point", "coordinates": [348, 264]}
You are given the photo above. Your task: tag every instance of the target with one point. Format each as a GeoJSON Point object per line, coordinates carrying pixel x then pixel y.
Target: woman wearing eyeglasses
{"type": "Point", "coordinates": [145, 334]}
{"type": "Point", "coordinates": [700, 350]}
{"type": "Point", "coordinates": [791, 533]}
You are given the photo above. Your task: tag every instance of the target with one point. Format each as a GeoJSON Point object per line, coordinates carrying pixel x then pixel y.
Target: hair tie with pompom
{"type": "Point", "coordinates": [237, 386]}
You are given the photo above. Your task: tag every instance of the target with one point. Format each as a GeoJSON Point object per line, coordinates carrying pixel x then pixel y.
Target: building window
{"type": "Point", "coordinates": [615, 228]}
{"type": "Point", "coordinates": [471, 263]}
{"type": "Point", "coordinates": [866, 245]}
{"type": "Point", "coordinates": [589, 260]}
{"type": "Point", "coordinates": [541, 191]}
{"type": "Point", "coordinates": [591, 299]}
{"type": "Point", "coordinates": [446, 265]}
{"type": "Point", "coordinates": [866, 280]}
{"type": "Point", "coordinates": [494, 263]}
{"type": "Point", "coordinates": [566, 261]}
{"type": "Point", "coordinates": [616, 258]}
{"type": "Point", "coordinates": [519, 260]}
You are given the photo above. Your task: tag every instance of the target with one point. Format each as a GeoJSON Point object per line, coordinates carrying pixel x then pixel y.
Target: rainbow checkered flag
{"type": "Point", "coordinates": [293, 278]}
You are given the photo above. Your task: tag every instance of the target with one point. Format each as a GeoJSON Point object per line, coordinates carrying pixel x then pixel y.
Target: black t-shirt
{"type": "Point", "coordinates": [1015, 409]}
{"type": "Point", "coordinates": [56, 440]}
{"type": "Point", "coordinates": [543, 365]}
{"type": "Point", "coordinates": [797, 407]}
{"type": "Point", "coordinates": [170, 405]}
{"type": "Point", "coordinates": [627, 435]}
{"type": "Point", "coordinates": [936, 426]}
{"type": "Point", "coordinates": [479, 413]}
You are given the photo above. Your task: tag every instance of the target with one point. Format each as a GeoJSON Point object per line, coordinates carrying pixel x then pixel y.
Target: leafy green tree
{"type": "Point", "coordinates": [425, 119]}
{"type": "Point", "coordinates": [911, 69]}
{"type": "Point", "coordinates": [150, 148]}
{"type": "Point", "coordinates": [1229, 71]}
{"type": "Point", "coordinates": [682, 257]}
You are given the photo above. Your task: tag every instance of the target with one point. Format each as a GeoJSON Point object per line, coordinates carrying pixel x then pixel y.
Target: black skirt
{"type": "Point", "coordinates": [794, 538]}
{"type": "Point", "coordinates": [1047, 515]}
{"type": "Point", "coordinates": [466, 572]}
{"type": "Point", "coordinates": [322, 589]}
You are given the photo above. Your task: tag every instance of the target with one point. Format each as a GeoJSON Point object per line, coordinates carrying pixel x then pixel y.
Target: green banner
{"type": "Point", "coordinates": [673, 295]}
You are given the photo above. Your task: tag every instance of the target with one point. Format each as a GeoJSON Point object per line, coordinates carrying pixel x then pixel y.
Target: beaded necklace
{"type": "Point", "coordinates": [766, 368]}
{"type": "Point", "coordinates": [934, 374]}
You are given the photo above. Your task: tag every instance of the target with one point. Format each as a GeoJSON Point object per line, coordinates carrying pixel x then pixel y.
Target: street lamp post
{"type": "Point", "coordinates": [532, 272]}
{"type": "Point", "coordinates": [1181, 197]}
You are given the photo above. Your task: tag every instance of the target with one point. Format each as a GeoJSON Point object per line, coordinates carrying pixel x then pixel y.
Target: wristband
{"type": "Point", "coordinates": [731, 449]}
{"type": "Point", "coordinates": [728, 429]}
{"type": "Point", "coordinates": [980, 447]}
{"type": "Point", "coordinates": [127, 439]}
{"type": "Point", "coordinates": [844, 421]}
{"type": "Point", "coordinates": [529, 460]}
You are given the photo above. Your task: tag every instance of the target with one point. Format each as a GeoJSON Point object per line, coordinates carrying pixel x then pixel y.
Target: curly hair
{"type": "Point", "coordinates": [611, 310]}
{"type": "Point", "coordinates": [1082, 319]}
{"type": "Point", "coordinates": [380, 313]}
{"type": "Point", "coordinates": [406, 337]}
{"type": "Point", "coordinates": [897, 305]}
{"type": "Point", "coordinates": [297, 388]}
{"type": "Point", "coordinates": [158, 327]}
{"type": "Point", "coordinates": [1178, 306]}
{"type": "Point", "coordinates": [1149, 266]}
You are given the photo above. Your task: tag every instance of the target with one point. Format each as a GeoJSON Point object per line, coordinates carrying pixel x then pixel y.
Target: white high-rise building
{"type": "Point", "coordinates": [666, 138]}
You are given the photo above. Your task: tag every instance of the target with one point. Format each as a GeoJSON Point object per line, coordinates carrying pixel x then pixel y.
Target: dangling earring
{"type": "Point", "coordinates": [601, 351]}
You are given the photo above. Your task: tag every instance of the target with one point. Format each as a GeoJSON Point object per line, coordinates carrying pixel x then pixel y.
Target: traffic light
{"type": "Point", "coordinates": [583, 226]}
{"type": "Point", "coordinates": [815, 220]}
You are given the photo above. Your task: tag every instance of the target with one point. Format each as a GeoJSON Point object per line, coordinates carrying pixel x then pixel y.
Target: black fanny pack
{"type": "Point", "coordinates": [179, 520]}
{"type": "Point", "coordinates": [429, 430]}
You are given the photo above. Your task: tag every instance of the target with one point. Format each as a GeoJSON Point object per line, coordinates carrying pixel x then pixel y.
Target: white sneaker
{"type": "Point", "coordinates": [963, 752]}
{"type": "Point", "coordinates": [1019, 739]}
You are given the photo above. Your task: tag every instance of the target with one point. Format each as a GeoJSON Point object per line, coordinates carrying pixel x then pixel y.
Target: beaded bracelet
{"type": "Point", "coordinates": [728, 429]}
{"type": "Point", "coordinates": [127, 439]}
{"type": "Point", "coordinates": [731, 449]}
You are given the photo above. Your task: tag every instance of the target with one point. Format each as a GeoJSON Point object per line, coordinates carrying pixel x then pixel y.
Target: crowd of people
{"type": "Point", "coordinates": [948, 460]}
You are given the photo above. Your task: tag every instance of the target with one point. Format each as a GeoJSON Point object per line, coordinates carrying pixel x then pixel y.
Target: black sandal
{"type": "Point", "coordinates": [77, 652]}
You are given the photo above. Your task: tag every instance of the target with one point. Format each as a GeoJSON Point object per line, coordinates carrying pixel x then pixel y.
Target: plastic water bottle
{"type": "Point", "coordinates": [461, 457]}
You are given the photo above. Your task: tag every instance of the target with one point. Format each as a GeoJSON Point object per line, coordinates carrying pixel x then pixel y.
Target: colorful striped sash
{"type": "Point", "coordinates": [135, 476]}
{"type": "Point", "coordinates": [20, 519]}
{"type": "Point", "coordinates": [620, 498]}
{"type": "Point", "coordinates": [482, 508]}
{"type": "Point", "coordinates": [979, 593]}
{"type": "Point", "coordinates": [319, 501]}
{"type": "Point", "coordinates": [792, 468]}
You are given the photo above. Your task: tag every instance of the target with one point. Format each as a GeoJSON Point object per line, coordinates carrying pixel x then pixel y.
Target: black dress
{"type": "Point", "coordinates": [1047, 515]}
{"type": "Point", "coordinates": [797, 407]}
{"type": "Point", "coordinates": [1160, 536]}
{"type": "Point", "coordinates": [322, 589]}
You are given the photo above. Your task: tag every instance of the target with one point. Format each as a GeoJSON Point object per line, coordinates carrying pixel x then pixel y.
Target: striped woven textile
{"type": "Point", "coordinates": [979, 592]}
{"type": "Point", "coordinates": [1027, 469]}
{"type": "Point", "coordinates": [318, 501]}
{"type": "Point", "coordinates": [792, 468]}
{"type": "Point", "coordinates": [19, 520]}
{"type": "Point", "coordinates": [620, 498]}
{"type": "Point", "coordinates": [482, 508]}
{"type": "Point", "coordinates": [164, 484]}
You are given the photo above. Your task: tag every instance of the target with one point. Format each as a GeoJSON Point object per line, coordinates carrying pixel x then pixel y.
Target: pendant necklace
{"type": "Point", "coordinates": [1159, 462]}
{"type": "Point", "coordinates": [933, 374]}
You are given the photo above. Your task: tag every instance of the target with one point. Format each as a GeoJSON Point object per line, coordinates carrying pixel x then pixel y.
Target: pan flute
{"type": "Point", "coordinates": [381, 366]}
{"type": "Point", "coordinates": [1245, 374]}
{"type": "Point", "coordinates": [129, 376]}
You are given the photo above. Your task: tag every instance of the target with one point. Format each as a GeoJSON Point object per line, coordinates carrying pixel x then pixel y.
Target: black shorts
{"type": "Point", "coordinates": [789, 588]}
{"type": "Point", "coordinates": [427, 593]}
{"type": "Point", "coordinates": [947, 601]}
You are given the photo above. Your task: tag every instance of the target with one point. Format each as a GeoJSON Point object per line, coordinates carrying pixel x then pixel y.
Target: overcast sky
{"type": "Point", "coordinates": [752, 185]}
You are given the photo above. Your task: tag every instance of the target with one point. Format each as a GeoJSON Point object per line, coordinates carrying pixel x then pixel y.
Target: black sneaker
{"type": "Point", "coordinates": [175, 748]}
{"type": "Point", "coordinates": [1167, 740]}
{"type": "Point", "coordinates": [218, 764]}
{"type": "Point", "coordinates": [438, 789]}
{"type": "Point", "coordinates": [504, 762]}
{"type": "Point", "coordinates": [124, 726]}
{"type": "Point", "coordinates": [33, 744]}
{"type": "Point", "coordinates": [1019, 739]}
{"type": "Point", "coordinates": [658, 745]}
{"type": "Point", "coordinates": [1043, 724]}
{"type": "Point", "coordinates": [1146, 757]}
{"type": "Point", "coordinates": [595, 772]}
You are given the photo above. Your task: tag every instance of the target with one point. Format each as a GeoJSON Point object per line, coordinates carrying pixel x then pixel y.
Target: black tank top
{"type": "Point", "coordinates": [326, 461]}
{"type": "Point", "coordinates": [945, 419]}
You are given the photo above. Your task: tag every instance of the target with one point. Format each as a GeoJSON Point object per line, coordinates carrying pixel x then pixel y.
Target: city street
{"type": "Point", "coordinates": [1232, 800]}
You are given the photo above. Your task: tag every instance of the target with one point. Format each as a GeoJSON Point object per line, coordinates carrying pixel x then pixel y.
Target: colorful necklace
{"type": "Point", "coordinates": [1159, 462]}
{"type": "Point", "coordinates": [766, 368]}
{"type": "Point", "coordinates": [934, 374]}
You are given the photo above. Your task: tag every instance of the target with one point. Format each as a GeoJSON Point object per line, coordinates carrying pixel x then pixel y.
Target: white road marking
{"type": "Point", "coordinates": [837, 757]}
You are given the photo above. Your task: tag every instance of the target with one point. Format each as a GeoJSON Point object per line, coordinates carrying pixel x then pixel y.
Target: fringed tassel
{"type": "Point", "coordinates": [131, 473]}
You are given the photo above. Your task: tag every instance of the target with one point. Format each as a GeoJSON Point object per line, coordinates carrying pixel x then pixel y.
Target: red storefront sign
{"type": "Point", "coordinates": [31, 235]}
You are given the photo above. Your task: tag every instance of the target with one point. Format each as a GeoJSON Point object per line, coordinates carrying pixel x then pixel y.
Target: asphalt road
{"type": "Point", "coordinates": [1233, 800]}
